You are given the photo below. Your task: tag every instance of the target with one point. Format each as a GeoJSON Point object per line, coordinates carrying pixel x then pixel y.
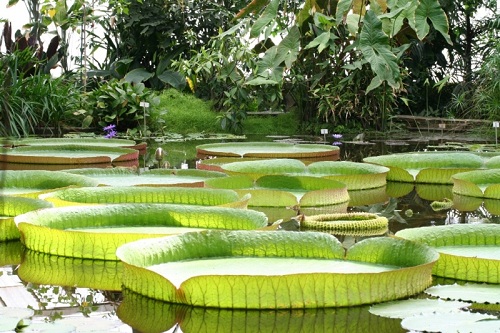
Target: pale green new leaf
{"type": "Point", "coordinates": [343, 7]}
{"type": "Point", "coordinates": [375, 46]}
{"type": "Point", "coordinates": [431, 10]}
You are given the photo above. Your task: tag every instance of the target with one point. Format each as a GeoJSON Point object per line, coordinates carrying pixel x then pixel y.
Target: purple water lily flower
{"type": "Point", "coordinates": [337, 136]}
{"type": "Point", "coordinates": [110, 131]}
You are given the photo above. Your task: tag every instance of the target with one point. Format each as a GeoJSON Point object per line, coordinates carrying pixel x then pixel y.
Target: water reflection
{"type": "Point", "coordinates": [149, 315]}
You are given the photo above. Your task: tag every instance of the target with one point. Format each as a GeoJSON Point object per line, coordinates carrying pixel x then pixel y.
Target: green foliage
{"type": "Point", "coordinates": [185, 113]}
{"type": "Point", "coordinates": [119, 102]}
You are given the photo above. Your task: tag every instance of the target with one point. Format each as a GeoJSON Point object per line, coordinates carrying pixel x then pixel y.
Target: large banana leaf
{"type": "Point", "coordinates": [156, 177]}
{"type": "Point", "coordinates": [285, 191]}
{"type": "Point", "coordinates": [68, 155]}
{"type": "Point", "coordinates": [149, 315]}
{"type": "Point", "coordinates": [467, 252]}
{"type": "Point", "coordinates": [46, 269]}
{"type": "Point", "coordinates": [272, 270]}
{"type": "Point", "coordinates": [13, 206]}
{"type": "Point", "coordinates": [478, 183]}
{"type": "Point", "coordinates": [427, 167]}
{"type": "Point", "coordinates": [31, 183]}
{"type": "Point", "coordinates": [269, 150]}
{"type": "Point", "coordinates": [95, 232]}
{"type": "Point", "coordinates": [351, 224]}
{"type": "Point", "coordinates": [143, 194]}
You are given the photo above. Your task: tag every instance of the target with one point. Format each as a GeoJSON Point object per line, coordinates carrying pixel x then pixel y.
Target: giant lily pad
{"type": "Point", "coordinates": [285, 191]}
{"type": "Point", "coordinates": [467, 251]}
{"type": "Point", "coordinates": [31, 183]}
{"type": "Point", "coordinates": [356, 176]}
{"type": "Point", "coordinates": [156, 177]}
{"type": "Point", "coordinates": [146, 194]}
{"type": "Point", "coordinates": [94, 232]}
{"type": "Point", "coordinates": [352, 224]}
{"type": "Point", "coordinates": [87, 141]}
{"type": "Point", "coordinates": [478, 183]}
{"type": "Point", "coordinates": [13, 206]}
{"type": "Point", "coordinates": [149, 315]}
{"type": "Point", "coordinates": [67, 156]}
{"type": "Point", "coordinates": [272, 270]}
{"type": "Point", "coordinates": [269, 150]}
{"type": "Point", "coordinates": [46, 269]}
{"type": "Point", "coordinates": [427, 167]}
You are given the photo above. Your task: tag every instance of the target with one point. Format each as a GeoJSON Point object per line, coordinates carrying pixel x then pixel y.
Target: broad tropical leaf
{"type": "Point", "coordinates": [268, 15]}
{"type": "Point", "coordinates": [430, 10]}
{"type": "Point", "coordinates": [374, 44]}
{"type": "Point", "coordinates": [355, 175]}
{"type": "Point", "coordinates": [479, 183]}
{"type": "Point", "coordinates": [288, 269]}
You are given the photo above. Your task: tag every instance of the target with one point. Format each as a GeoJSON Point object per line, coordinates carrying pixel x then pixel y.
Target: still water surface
{"type": "Point", "coordinates": [93, 298]}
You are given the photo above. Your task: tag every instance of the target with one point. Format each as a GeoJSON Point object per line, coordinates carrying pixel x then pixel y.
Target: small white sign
{"type": "Point", "coordinates": [144, 104]}
{"type": "Point", "coordinates": [184, 166]}
{"type": "Point", "coordinates": [496, 124]}
{"type": "Point", "coordinates": [442, 126]}
{"type": "Point", "coordinates": [324, 131]}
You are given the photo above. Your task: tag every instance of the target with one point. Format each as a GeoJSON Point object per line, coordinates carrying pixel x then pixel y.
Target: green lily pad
{"type": "Point", "coordinates": [427, 167]}
{"type": "Point", "coordinates": [479, 183]}
{"type": "Point", "coordinates": [67, 155]}
{"type": "Point", "coordinates": [13, 206]}
{"type": "Point", "coordinates": [156, 177]}
{"type": "Point", "coordinates": [412, 307]}
{"type": "Point", "coordinates": [269, 150]}
{"type": "Point", "coordinates": [101, 142]}
{"type": "Point", "coordinates": [31, 183]}
{"type": "Point", "coordinates": [468, 263]}
{"type": "Point", "coordinates": [281, 269]}
{"type": "Point", "coordinates": [285, 191]}
{"type": "Point", "coordinates": [145, 194]}
{"type": "Point", "coordinates": [96, 231]}
{"type": "Point", "coordinates": [470, 292]}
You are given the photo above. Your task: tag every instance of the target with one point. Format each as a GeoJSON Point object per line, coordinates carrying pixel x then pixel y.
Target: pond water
{"type": "Point", "coordinates": [94, 299]}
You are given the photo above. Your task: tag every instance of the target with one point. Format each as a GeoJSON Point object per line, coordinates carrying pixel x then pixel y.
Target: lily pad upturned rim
{"type": "Point", "coordinates": [268, 150]}
{"type": "Point", "coordinates": [12, 206]}
{"type": "Point", "coordinates": [99, 155]}
{"type": "Point", "coordinates": [51, 230]}
{"type": "Point", "coordinates": [145, 194]}
{"type": "Point", "coordinates": [478, 183]}
{"type": "Point", "coordinates": [91, 141]}
{"type": "Point", "coordinates": [311, 290]}
{"type": "Point", "coordinates": [456, 266]}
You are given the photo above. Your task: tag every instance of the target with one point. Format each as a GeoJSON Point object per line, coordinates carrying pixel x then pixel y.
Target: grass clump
{"type": "Point", "coordinates": [184, 113]}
